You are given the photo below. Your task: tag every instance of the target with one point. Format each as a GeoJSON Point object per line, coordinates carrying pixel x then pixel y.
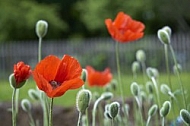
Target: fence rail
{"type": "Point", "coordinates": [98, 52]}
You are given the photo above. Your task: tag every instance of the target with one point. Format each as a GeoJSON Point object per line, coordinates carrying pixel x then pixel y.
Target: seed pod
{"type": "Point", "coordinates": [165, 109]}
{"type": "Point", "coordinates": [26, 105]}
{"type": "Point", "coordinates": [41, 28]}
{"type": "Point", "coordinates": [185, 115]}
{"type": "Point", "coordinates": [83, 100]}
{"type": "Point", "coordinates": [113, 109]}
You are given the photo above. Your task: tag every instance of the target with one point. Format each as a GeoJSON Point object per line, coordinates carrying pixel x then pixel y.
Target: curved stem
{"type": "Point", "coordinates": [179, 78]}
{"type": "Point", "coordinates": [94, 110]}
{"type": "Point", "coordinates": [139, 108]}
{"type": "Point", "coordinates": [118, 70]}
{"type": "Point", "coordinates": [167, 65]}
{"type": "Point", "coordinates": [148, 121]}
{"type": "Point", "coordinates": [50, 113]}
{"type": "Point", "coordinates": [13, 108]}
{"type": "Point", "coordinates": [144, 71]}
{"type": "Point", "coordinates": [157, 92]}
{"type": "Point", "coordinates": [31, 119]}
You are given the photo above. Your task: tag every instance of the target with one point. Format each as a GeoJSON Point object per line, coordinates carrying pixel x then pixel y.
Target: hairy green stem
{"type": "Point", "coordinates": [179, 78]}
{"type": "Point", "coordinates": [167, 65]}
{"type": "Point", "coordinates": [118, 71]}
{"type": "Point", "coordinates": [157, 91]}
{"type": "Point", "coordinates": [40, 49]}
{"type": "Point", "coordinates": [50, 113]}
{"type": "Point", "coordinates": [79, 119]}
{"type": "Point", "coordinates": [13, 108]}
{"type": "Point", "coordinates": [148, 121]}
{"type": "Point", "coordinates": [94, 110]}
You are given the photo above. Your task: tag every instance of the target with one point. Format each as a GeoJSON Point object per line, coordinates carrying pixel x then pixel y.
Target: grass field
{"type": "Point", "coordinates": [68, 99]}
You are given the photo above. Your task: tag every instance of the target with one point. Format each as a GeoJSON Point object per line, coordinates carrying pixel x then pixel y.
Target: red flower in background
{"type": "Point", "coordinates": [55, 76]}
{"type": "Point", "coordinates": [124, 28]}
{"type": "Point", "coordinates": [21, 72]}
{"type": "Point", "coordinates": [98, 78]}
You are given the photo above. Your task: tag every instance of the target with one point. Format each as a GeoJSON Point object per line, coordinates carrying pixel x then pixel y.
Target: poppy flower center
{"type": "Point", "coordinates": [54, 84]}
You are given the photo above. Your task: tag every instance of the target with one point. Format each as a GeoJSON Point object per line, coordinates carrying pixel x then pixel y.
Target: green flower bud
{"type": "Point", "coordinates": [84, 75]}
{"type": "Point", "coordinates": [143, 96]}
{"type": "Point", "coordinates": [168, 30]}
{"type": "Point", "coordinates": [165, 109]}
{"type": "Point", "coordinates": [13, 83]}
{"type": "Point", "coordinates": [149, 87]}
{"type": "Point", "coordinates": [107, 95]}
{"type": "Point", "coordinates": [163, 36]}
{"type": "Point", "coordinates": [26, 105]}
{"type": "Point", "coordinates": [177, 68]}
{"type": "Point", "coordinates": [152, 72]}
{"type": "Point", "coordinates": [135, 89]}
{"type": "Point", "coordinates": [33, 94]}
{"type": "Point", "coordinates": [165, 89]}
{"type": "Point", "coordinates": [135, 67]}
{"type": "Point", "coordinates": [185, 115]}
{"type": "Point", "coordinates": [152, 110]}
{"type": "Point", "coordinates": [140, 56]}
{"type": "Point", "coordinates": [106, 112]}
{"type": "Point", "coordinates": [113, 109]}
{"type": "Point", "coordinates": [41, 28]}
{"type": "Point", "coordinates": [83, 100]}
{"type": "Point", "coordinates": [114, 84]}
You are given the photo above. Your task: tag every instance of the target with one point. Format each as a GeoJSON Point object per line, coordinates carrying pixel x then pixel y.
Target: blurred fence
{"type": "Point", "coordinates": [97, 52]}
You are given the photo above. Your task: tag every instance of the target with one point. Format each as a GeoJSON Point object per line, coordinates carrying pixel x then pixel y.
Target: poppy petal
{"type": "Point", "coordinates": [48, 67]}
{"type": "Point", "coordinates": [71, 68]}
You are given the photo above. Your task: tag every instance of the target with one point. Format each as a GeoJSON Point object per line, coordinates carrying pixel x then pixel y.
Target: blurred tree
{"type": "Point", "coordinates": [154, 13]}
{"type": "Point", "coordinates": [18, 20]}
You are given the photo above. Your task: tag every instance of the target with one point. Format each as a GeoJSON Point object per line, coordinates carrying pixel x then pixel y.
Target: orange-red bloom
{"type": "Point", "coordinates": [124, 28]}
{"type": "Point", "coordinates": [98, 78]}
{"type": "Point", "coordinates": [21, 72]}
{"type": "Point", "coordinates": [55, 76]}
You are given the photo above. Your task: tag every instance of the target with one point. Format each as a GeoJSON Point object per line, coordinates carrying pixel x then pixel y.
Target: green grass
{"type": "Point", "coordinates": [68, 99]}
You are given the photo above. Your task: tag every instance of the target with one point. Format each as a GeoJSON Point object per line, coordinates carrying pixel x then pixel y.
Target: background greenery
{"type": "Point", "coordinates": [85, 18]}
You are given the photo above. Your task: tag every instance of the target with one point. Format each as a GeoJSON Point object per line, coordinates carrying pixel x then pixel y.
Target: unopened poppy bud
{"type": "Point", "coordinates": [106, 112]}
{"type": "Point", "coordinates": [140, 56]}
{"type": "Point", "coordinates": [165, 89]}
{"type": "Point", "coordinates": [33, 94]}
{"type": "Point", "coordinates": [135, 89]}
{"type": "Point", "coordinates": [152, 110]}
{"type": "Point", "coordinates": [135, 67]}
{"type": "Point", "coordinates": [143, 96]}
{"type": "Point", "coordinates": [163, 36]}
{"type": "Point", "coordinates": [13, 82]}
{"type": "Point", "coordinates": [152, 72]}
{"type": "Point", "coordinates": [114, 84]}
{"type": "Point", "coordinates": [185, 115]}
{"type": "Point", "coordinates": [177, 68]}
{"type": "Point", "coordinates": [114, 108]}
{"type": "Point", "coordinates": [107, 95]}
{"type": "Point", "coordinates": [149, 87]}
{"type": "Point", "coordinates": [165, 109]}
{"type": "Point", "coordinates": [168, 30]}
{"type": "Point", "coordinates": [84, 75]}
{"type": "Point", "coordinates": [41, 28]}
{"type": "Point", "coordinates": [26, 105]}
{"type": "Point", "coordinates": [83, 100]}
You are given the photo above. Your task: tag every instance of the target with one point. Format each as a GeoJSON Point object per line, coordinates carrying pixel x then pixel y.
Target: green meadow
{"type": "Point", "coordinates": [68, 99]}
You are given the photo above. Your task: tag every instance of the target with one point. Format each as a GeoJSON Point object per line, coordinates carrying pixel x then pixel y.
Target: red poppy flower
{"type": "Point", "coordinates": [55, 76]}
{"type": "Point", "coordinates": [98, 78]}
{"type": "Point", "coordinates": [21, 73]}
{"type": "Point", "coordinates": [124, 28]}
